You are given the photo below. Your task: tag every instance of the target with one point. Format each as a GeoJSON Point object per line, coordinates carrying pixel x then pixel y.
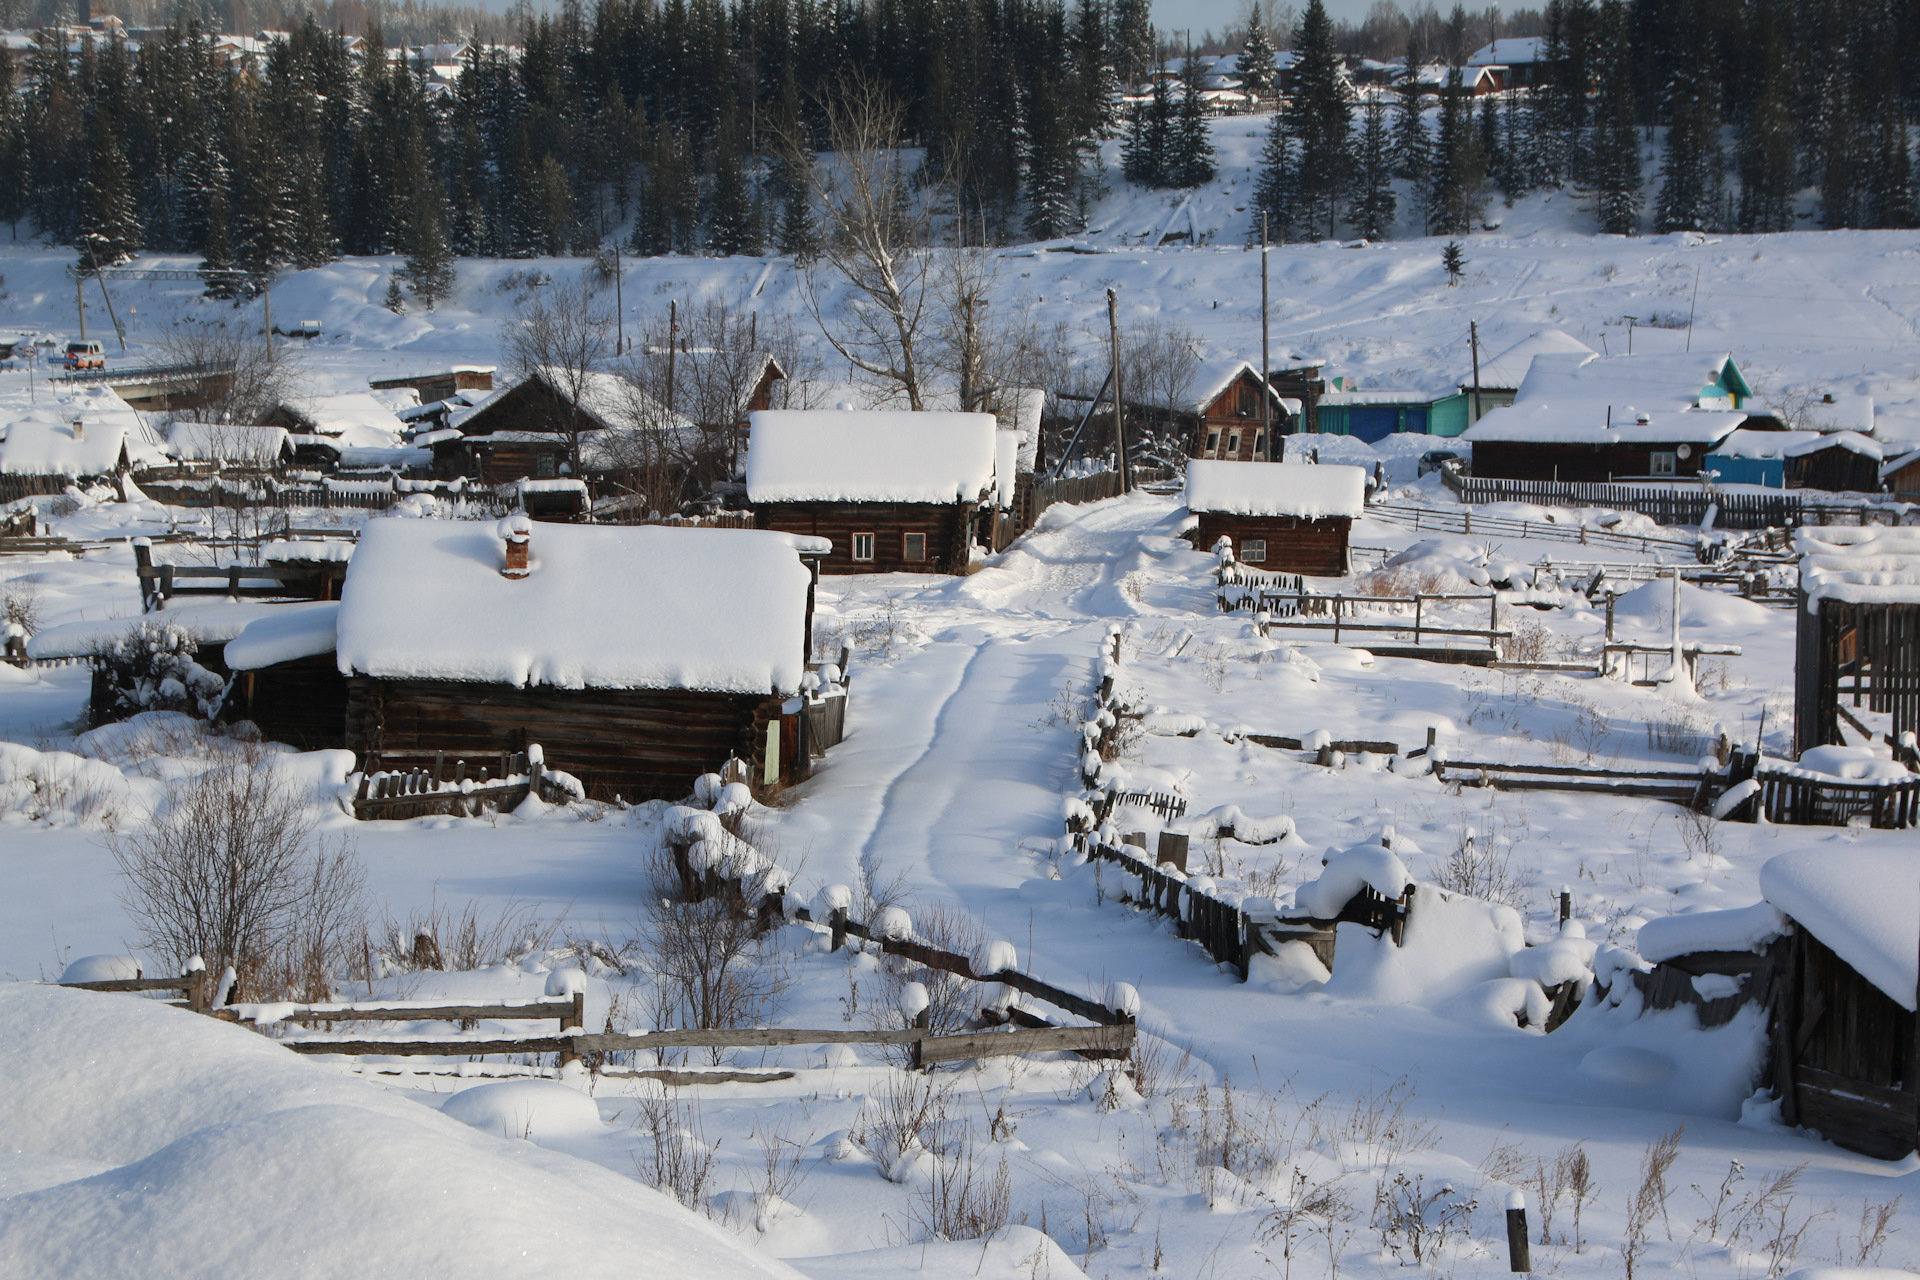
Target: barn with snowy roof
{"type": "Point", "coordinates": [892, 491]}
{"type": "Point", "coordinates": [1588, 418]}
{"type": "Point", "coordinates": [636, 657]}
{"type": "Point", "coordinates": [1287, 517]}
{"type": "Point", "coordinates": [1857, 642]}
{"type": "Point", "coordinates": [1822, 973]}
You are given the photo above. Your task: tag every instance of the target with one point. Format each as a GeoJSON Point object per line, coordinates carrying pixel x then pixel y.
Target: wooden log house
{"type": "Point", "coordinates": [530, 429]}
{"type": "Point", "coordinates": [442, 384]}
{"type": "Point", "coordinates": [1900, 475]}
{"type": "Point", "coordinates": [1827, 963]}
{"type": "Point", "coordinates": [1224, 419]}
{"type": "Point", "coordinates": [286, 680]}
{"type": "Point", "coordinates": [892, 491]}
{"type": "Point", "coordinates": [638, 657]}
{"type": "Point", "coordinates": [1857, 651]}
{"type": "Point", "coordinates": [1289, 518]}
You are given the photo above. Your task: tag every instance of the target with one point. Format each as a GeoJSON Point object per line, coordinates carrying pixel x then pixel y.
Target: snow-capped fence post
{"type": "Point", "coordinates": [1519, 1254]}
{"type": "Point", "coordinates": [1566, 905]}
{"type": "Point", "coordinates": [837, 929]}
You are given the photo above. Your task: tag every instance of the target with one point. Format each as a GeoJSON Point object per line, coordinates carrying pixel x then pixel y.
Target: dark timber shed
{"type": "Point", "coordinates": [892, 491]}
{"type": "Point", "coordinates": [1858, 635]}
{"type": "Point", "coordinates": [1287, 517]}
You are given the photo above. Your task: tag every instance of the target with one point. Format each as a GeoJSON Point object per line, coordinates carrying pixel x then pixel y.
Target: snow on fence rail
{"type": "Point", "coordinates": [501, 780]}
{"type": "Point", "coordinates": [1470, 522]}
{"type": "Point", "coordinates": [1678, 506]}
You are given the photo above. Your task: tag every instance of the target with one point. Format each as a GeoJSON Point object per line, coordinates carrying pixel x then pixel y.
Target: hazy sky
{"type": "Point", "coordinates": [1217, 15]}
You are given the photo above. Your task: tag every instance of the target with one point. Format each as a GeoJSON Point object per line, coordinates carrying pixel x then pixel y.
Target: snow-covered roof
{"type": "Point", "coordinates": [1851, 441]}
{"type": "Point", "coordinates": [1666, 380]}
{"type": "Point", "coordinates": [605, 606]}
{"type": "Point", "coordinates": [214, 622]}
{"type": "Point", "coordinates": [1900, 463]}
{"type": "Point", "coordinates": [1870, 564]}
{"type": "Point", "coordinates": [1275, 489]}
{"type": "Point", "coordinates": [284, 636]}
{"type": "Point", "coordinates": [1336, 399]}
{"type": "Point", "coordinates": [40, 442]}
{"type": "Point", "coordinates": [1736, 929]}
{"type": "Point", "coordinates": [1597, 422]}
{"type": "Point", "coordinates": [1210, 379]}
{"type": "Point", "coordinates": [226, 442]}
{"type": "Point", "coordinates": [607, 399]}
{"type": "Point", "coordinates": [1509, 52]}
{"type": "Point", "coordinates": [355, 418]}
{"type": "Point", "coordinates": [874, 455]}
{"type": "Point", "coordinates": [1508, 369]}
{"type": "Point", "coordinates": [1862, 903]}
{"type": "Point", "coordinates": [1745, 443]}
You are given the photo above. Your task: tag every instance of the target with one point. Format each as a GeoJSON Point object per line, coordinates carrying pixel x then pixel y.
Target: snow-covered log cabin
{"type": "Point", "coordinates": [1288, 518]}
{"type": "Point", "coordinates": [1223, 419]}
{"type": "Point", "coordinates": [1858, 637]}
{"type": "Point", "coordinates": [1822, 972]}
{"type": "Point", "coordinates": [893, 491]}
{"type": "Point", "coordinates": [638, 657]}
{"type": "Point", "coordinates": [46, 450]}
{"type": "Point", "coordinates": [1597, 419]}
{"type": "Point", "coordinates": [285, 678]}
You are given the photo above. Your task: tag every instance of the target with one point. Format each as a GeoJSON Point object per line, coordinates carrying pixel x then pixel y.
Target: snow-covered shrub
{"type": "Point", "coordinates": [151, 668]}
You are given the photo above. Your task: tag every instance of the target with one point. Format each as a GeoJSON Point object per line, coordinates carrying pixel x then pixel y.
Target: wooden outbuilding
{"type": "Point", "coordinates": [286, 680]}
{"type": "Point", "coordinates": [1900, 476]}
{"type": "Point", "coordinates": [1289, 518]}
{"type": "Point", "coordinates": [637, 657]}
{"type": "Point", "coordinates": [1224, 419]}
{"type": "Point", "coordinates": [441, 385]}
{"type": "Point", "coordinates": [1857, 649]}
{"type": "Point", "coordinates": [1836, 461]}
{"type": "Point", "coordinates": [1824, 970]}
{"type": "Point", "coordinates": [892, 491]}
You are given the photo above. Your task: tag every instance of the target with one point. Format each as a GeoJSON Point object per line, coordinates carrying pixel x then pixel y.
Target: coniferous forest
{"type": "Point", "coordinates": [673, 127]}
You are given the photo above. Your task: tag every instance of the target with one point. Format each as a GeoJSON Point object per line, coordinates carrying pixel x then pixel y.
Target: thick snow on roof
{"type": "Point", "coordinates": [1508, 369]}
{"type": "Point", "coordinates": [1851, 441]}
{"type": "Point", "coordinates": [208, 624]}
{"type": "Point", "coordinates": [1864, 904]}
{"type": "Point", "coordinates": [840, 455]}
{"type": "Point", "coordinates": [1664, 380]}
{"type": "Point", "coordinates": [356, 418]}
{"type": "Point", "coordinates": [41, 443]}
{"type": "Point", "coordinates": [283, 636]}
{"type": "Point", "coordinates": [1905, 460]}
{"type": "Point", "coordinates": [1762, 444]}
{"type": "Point", "coordinates": [1276, 489]}
{"type": "Point", "coordinates": [226, 442]}
{"type": "Point", "coordinates": [1509, 52]}
{"type": "Point", "coordinates": [1596, 422]}
{"type": "Point", "coordinates": [1338, 398]}
{"type": "Point", "coordinates": [1740, 929]}
{"type": "Point", "coordinates": [1871, 564]}
{"type": "Point", "coordinates": [620, 607]}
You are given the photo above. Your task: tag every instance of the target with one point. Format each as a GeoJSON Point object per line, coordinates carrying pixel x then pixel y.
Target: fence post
{"type": "Point", "coordinates": [574, 1019]}
{"type": "Point", "coordinates": [837, 928]}
{"type": "Point", "coordinates": [1519, 1255]}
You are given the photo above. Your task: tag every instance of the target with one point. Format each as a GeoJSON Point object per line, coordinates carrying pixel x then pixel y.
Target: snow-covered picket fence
{"type": "Point", "coordinates": [501, 780]}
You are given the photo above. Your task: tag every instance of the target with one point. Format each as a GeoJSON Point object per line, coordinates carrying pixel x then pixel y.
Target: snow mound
{"type": "Point", "coordinates": [1013, 1251]}
{"type": "Point", "coordinates": [1451, 945]}
{"type": "Point", "coordinates": [1653, 603]}
{"type": "Point", "coordinates": [101, 969]}
{"type": "Point", "coordinates": [1739, 929]}
{"type": "Point", "coordinates": [525, 1108]}
{"type": "Point", "coordinates": [1347, 873]}
{"type": "Point", "coordinates": [1855, 763]}
{"type": "Point", "coordinates": [1626, 1064]}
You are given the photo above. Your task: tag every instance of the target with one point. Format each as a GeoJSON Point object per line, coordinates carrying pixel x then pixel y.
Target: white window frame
{"type": "Point", "coordinates": [1253, 550]}
{"type": "Point", "coordinates": [1213, 443]}
{"type": "Point", "coordinates": [1233, 444]}
{"type": "Point", "coordinates": [1663, 462]}
{"type": "Point", "coordinates": [868, 545]}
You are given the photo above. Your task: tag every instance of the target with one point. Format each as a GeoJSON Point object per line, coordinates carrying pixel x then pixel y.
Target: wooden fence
{"type": "Point", "coordinates": [1694, 788]}
{"type": "Point", "coordinates": [363, 495]}
{"type": "Point", "coordinates": [1685, 506]}
{"type": "Point", "coordinates": [194, 986]}
{"type": "Point", "coordinates": [467, 789]}
{"type": "Point", "coordinates": [1810, 800]}
{"type": "Point", "coordinates": [1479, 523]}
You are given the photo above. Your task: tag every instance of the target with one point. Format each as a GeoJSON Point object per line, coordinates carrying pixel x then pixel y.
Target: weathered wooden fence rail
{"type": "Point", "coordinates": [195, 987]}
{"type": "Point", "coordinates": [1468, 521]}
{"type": "Point", "coordinates": [1672, 505]}
{"type": "Point", "coordinates": [466, 789]}
{"type": "Point", "coordinates": [1811, 800]}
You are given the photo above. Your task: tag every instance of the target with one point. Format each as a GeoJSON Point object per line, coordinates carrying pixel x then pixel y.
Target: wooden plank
{"type": "Point", "coordinates": [736, 1038]}
{"type": "Point", "coordinates": [1117, 1040]}
{"type": "Point", "coordinates": [136, 984]}
{"type": "Point", "coordinates": [1572, 770]}
{"type": "Point", "coordinates": [446, 1048]}
{"type": "Point", "coordinates": [430, 1013]}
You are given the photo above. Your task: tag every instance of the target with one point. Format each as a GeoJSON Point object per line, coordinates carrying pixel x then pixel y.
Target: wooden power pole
{"type": "Point", "coordinates": [1119, 401]}
{"type": "Point", "coordinates": [1266, 364]}
{"type": "Point", "coordinates": [1473, 340]}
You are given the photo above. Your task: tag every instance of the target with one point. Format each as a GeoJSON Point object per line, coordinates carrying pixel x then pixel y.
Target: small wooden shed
{"type": "Point", "coordinates": [1836, 461]}
{"type": "Point", "coordinates": [442, 384]}
{"type": "Point", "coordinates": [1857, 649]}
{"type": "Point", "coordinates": [285, 678]}
{"type": "Point", "coordinates": [1223, 418]}
{"type": "Point", "coordinates": [892, 491]}
{"type": "Point", "coordinates": [1287, 517]}
{"type": "Point", "coordinates": [1829, 959]}
{"type": "Point", "coordinates": [1900, 476]}
{"type": "Point", "coordinates": [637, 657]}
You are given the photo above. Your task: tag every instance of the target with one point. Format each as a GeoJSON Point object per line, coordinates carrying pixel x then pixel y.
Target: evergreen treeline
{"type": "Point", "coordinates": [1737, 105]}
{"type": "Point", "coordinates": [663, 115]}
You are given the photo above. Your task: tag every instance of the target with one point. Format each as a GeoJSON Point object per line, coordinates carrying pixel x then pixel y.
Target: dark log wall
{"type": "Point", "coordinates": [948, 527]}
{"type": "Point", "coordinates": [639, 744]}
{"type": "Point", "coordinates": [301, 703]}
{"type": "Point", "coordinates": [496, 463]}
{"type": "Point", "coordinates": [1906, 480]}
{"type": "Point", "coordinates": [1578, 463]}
{"type": "Point", "coordinates": [1316, 547]}
{"type": "Point", "coordinates": [1835, 470]}
{"type": "Point", "coordinates": [1235, 412]}
{"type": "Point", "coordinates": [1877, 645]}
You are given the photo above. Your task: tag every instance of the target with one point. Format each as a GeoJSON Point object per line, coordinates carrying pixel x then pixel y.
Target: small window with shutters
{"type": "Point", "coordinates": [1253, 550]}
{"type": "Point", "coordinates": [913, 546]}
{"type": "Point", "coordinates": [863, 546]}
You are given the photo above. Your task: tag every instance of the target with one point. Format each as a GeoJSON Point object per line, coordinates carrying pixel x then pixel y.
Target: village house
{"type": "Point", "coordinates": [440, 385]}
{"type": "Point", "coordinates": [636, 657]}
{"type": "Point", "coordinates": [1521, 61]}
{"type": "Point", "coordinates": [46, 450]}
{"type": "Point", "coordinates": [1824, 966]}
{"type": "Point", "coordinates": [893, 491]}
{"type": "Point", "coordinates": [230, 447]}
{"type": "Point", "coordinates": [355, 429]}
{"type": "Point", "coordinates": [1289, 518]}
{"type": "Point", "coordinates": [1501, 375]}
{"type": "Point", "coordinates": [1223, 419]}
{"type": "Point", "coordinates": [530, 429]}
{"type": "Point", "coordinates": [1900, 476]}
{"type": "Point", "coordinates": [1587, 418]}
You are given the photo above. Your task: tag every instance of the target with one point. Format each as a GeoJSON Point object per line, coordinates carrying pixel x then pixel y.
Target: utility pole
{"type": "Point", "coordinates": [266, 295]}
{"type": "Point", "coordinates": [619, 305]}
{"type": "Point", "coordinates": [1630, 320]}
{"type": "Point", "coordinates": [1473, 338]}
{"type": "Point", "coordinates": [673, 344]}
{"type": "Point", "coordinates": [1266, 392]}
{"type": "Point", "coordinates": [1119, 421]}
{"type": "Point", "coordinates": [80, 300]}
{"type": "Point", "coordinates": [118, 332]}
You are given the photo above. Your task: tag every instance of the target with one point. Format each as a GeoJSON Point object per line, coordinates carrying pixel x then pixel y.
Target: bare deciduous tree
{"type": "Point", "coordinates": [230, 870]}
{"type": "Point", "coordinates": [708, 967]}
{"type": "Point", "coordinates": [876, 230]}
{"type": "Point", "coordinates": [563, 335]}
{"type": "Point", "coordinates": [259, 383]}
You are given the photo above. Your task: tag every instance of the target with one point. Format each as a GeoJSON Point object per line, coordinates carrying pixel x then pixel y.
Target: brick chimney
{"type": "Point", "coordinates": [518, 532]}
{"type": "Point", "coordinates": [79, 429]}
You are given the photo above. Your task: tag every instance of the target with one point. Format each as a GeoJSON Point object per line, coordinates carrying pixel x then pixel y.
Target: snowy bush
{"type": "Point", "coordinates": [151, 668]}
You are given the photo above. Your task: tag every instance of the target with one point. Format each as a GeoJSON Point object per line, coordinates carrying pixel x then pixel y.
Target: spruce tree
{"type": "Point", "coordinates": [1412, 147]}
{"type": "Point", "coordinates": [733, 215]}
{"type": "Point", "coordinates": [1615, 149]}
{"type": "Point", "coordinates": [1372, 208]}
{"type": "Point", "coordinates": [1146, 154]}
{"type": "Point", "coordinates": [1277, 191]}
{"type": "Point", "coordinates": [1453, 198]}
{"type": "Point", "coordinates": [1190, 151]}
{"type": "Point", "coordinates": [1133, 40]}
{"type": "Point", "coordinates": [394, 301]}
{"type": "Point", "coordinates": [110, 230]}
{"type": "Point", "coordinates": [1318, 118]}
{"type": "Point", "coordinates": [1053, 170]}
{"type": "Point", "coordinates": [1692, 185]}
{"type": "Point", "coordinates": [1255, 65]}
{"type": "Point", "coordinates": [428, 270]}
{"type": "Point", "coordinates": [1454, 259]}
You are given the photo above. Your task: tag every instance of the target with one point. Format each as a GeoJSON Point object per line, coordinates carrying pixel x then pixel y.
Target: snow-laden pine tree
{"type": "Point", "coordinates": [110, 227]}
{"type": "Point", "coordinates": [1148, 146]}
{"type": "Point", "coordinates": [1276, 190]}
{"type": "Point", "coordinates": [1371, 209]}
{"type": "Point", "coordinates": [428, 269]}
{"type": "Point", "coordinates": [1615, 147]}
{"type": "Point", "coordinates": [1453, 198]}
{"type": "Point", "coordinates": [1053, 169]}
{"type": "Point", "coordinates": [1319, 119]}
{"type": "Point", "coordinates": [1412, 145]}
{"type": "Point", "coordinates": [1692, 171]}
{"type": "Point", "coordinates": [733, 212]}
{"type": "Point", "coordinates": [1190, 153]}
{"type": "Point", "coordinates": [1255, 65]}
